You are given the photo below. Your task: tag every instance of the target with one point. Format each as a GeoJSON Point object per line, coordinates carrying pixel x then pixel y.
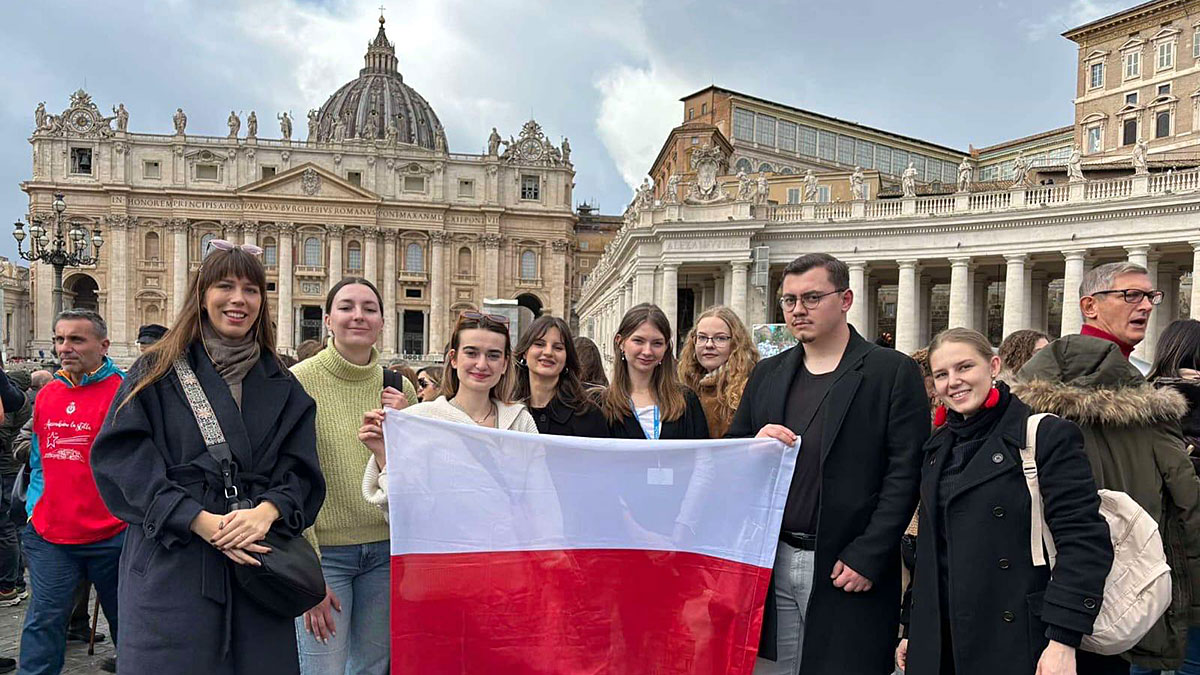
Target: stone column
{"type": "Point", "coordinates": [980, 302]}
{"type": "Point", "coordinates": [1027, 319]}
{"type": "Point", "coordinates": [960, 293]}
{"type": "Point", "coordinates": [388, 288]}
{"type": "Point", "coordinates": [871, 307]}
{"type": "Point", "coordinates": [1148, 347]}
{"type": "Point", "coordinates": [670, 296]}
{"type": "Point", "coordinates": [1072, 319]}
{"type": "Point", "coordinates": [727, 288]}
{"type": "Point", "coordinates": [1014, 292]}
{"type": "Point", "coordinates": [371, 253]}
{"type": "Point", "coordinates": [1138, 255]}
{"type": "Point", "coordinates": [335, 254]}
{"type": "Point", "coordinates": [906, 307]}
{"type": "Point", "coordinates": [284, 337]}
{"type": "Point", "coordinates": [924, 300]}
{"type": "Point", "coordinates": [643, 285]}
{"type": "Point", "coordinates": [739, 270]}
{"type": "Point", "coordinates": [119, 228]}
{"type": "Point", "coordinates": [250, 232]}
{"type": "Point", "coordinates": [858, 288]}
{"type": "Point", "coordinates": [1037, 301]}
{"type": "Point", "coordinates": [491, 265]}
{"type": "Point", "coordinates": [707, 291]}
{"type": "Point", "coordinates": [560, 282]}
{"type": "Point", "coordinates": [437, 294]}
{"type": "Point", "coordinates": [1168, 283]}
{"type": "Point", "coordinates": [179, 272]}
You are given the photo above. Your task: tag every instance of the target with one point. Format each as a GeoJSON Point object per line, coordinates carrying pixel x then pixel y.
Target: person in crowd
{"type": "Point", "coordinates": [975, 507]}
{"type": "Point", "coordinates": [885, 339]}
{"type": "Point", "coordinates": [591, 364]}
{"type": "Point", "coordinates": [148, 335]}
{"type": "Point", "coordinates": [12, 583]}
{"type": "Point", "coordinates": [861, 413]}
{"type": "Point", "coordinates": [181, 609]}
{"type": "Point", "coordinates": [477, 389]}
{"type": "Point", "coordinates": [71, 535]}
{"type": "Point", "coordinates": [715, 362]}
{"type": "Point", "coordinates": [1131, 434]}
{"type": "Point", "coordinates": [548, 382]}
{"type": "Point", "coordinates": [645, 398]}
{"type": "Point", "coordinates": [1017, 349]}
{"type": "Point", "coordinates": [429, 383]}
{"type": "Point", "coordinates": [405, 371]}
{"type": "Point", "coordinates": [287, 360]}
{"type": "Point", "coordinates": [308, 349]}
{"type": "Point", "coordinates": [348, 631]}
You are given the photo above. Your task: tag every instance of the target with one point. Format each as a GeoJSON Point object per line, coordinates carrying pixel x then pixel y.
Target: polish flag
{"type": "Point", "coordinates": [518, 553]}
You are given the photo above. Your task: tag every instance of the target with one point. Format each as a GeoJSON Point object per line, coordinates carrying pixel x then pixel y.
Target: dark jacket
{"type": "Point", "coordinates": [876, 419]}
{"type": "Point", "coordinates": [1002, 608]}
{"type": "Point", "coordinates": [690, 425]}
{"type": "Point", "coordinates": [559, 419]}
{"type": "Point", "coordinates": [1190, 422]}
{"type": "Point", "coordinates": [1132, 437]}
{"type": "Point", "coordinates": [179, 606]}
{"type": "Point", "coordinates": [9, 430]}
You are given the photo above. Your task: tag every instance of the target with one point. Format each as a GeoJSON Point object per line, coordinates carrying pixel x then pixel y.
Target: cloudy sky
{"type": "Point", "coordinates": [608, 74]}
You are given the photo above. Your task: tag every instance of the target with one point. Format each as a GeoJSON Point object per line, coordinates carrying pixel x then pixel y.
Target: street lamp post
{"type": "Point", "coordinates": [60, 248]}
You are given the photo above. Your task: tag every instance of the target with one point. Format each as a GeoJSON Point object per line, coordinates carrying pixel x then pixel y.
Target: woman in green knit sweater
{"type": "Point", "coordinates": [350, 627]}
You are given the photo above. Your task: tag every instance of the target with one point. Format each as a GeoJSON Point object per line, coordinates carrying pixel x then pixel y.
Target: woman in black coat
{"type": "Point", "coordinates": [548, 382]}
{"type": "Point", "coordinates": [979, 605]}
{"type": "Point", "coordinates": [182, 610]}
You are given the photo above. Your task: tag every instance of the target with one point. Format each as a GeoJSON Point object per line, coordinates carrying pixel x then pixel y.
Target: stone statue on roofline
{"type": "Point", "coordinates": [858, 187]}
{"type": "Point", "coordinates": [494, 141]}
{"type": "Point", "coordinates": [1075, 165]}
{"type": "Point", "coordinates": [314, 123]}
{"type": "Point", "coordinates": [1140, 151]}
{"type": "Point", "coordinates": [964, 175]}
{"type": "Point", "coordinates": [285, 125]}
{"type": "Point", "coordinates": [122, 117]}
{"type": "Point", "coordinates": [252, 125]}
{"type": "Point", "coordinates": [908, 181]}
{"type": "Point", "coordinates": [180, 121]}
{"type": "Point", "coordinates": [810, 186]}
{"type": "Point", "coordinates": [235, 124]}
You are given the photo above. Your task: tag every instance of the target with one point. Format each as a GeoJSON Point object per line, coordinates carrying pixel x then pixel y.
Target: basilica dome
{"type": "Point", "coordinates": [377, 106]}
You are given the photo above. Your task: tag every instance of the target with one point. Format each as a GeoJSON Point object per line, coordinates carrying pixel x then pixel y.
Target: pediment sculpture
{"type": "Point", "coordinates": [531, 148]}
{"type": "Point", "coordinates": [708, 162]}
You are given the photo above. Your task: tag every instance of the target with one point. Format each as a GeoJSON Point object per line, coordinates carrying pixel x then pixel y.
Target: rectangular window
{"type": "Point", "coordinates": [933, 169]}
{"type": "Point", "coordinates": [1096, 78]}
{"type": "Point", "coordinates": [808, 141]}
{"type": "Point", "coordinates": [1133, 64]}
{"type": "Point", "coordinates": [864, 154]}
{"type": "Point", "coordinates": [845, 150]}
{"type": "Point", "coordinates": [583, 246]}
{"type": "Point", "coordinates": [1164, 89]}
{"type": "Point", "coordinates": [883, 158]}
{"type": "Point", "coordinates": [793, 196]}
{"type": "Point", "coordinates": [531, 187]}
{"type": "Point", "coordinates": [414, 183]}
{"type": "Point", "coordinates": [1131, 98]}
{"type": "Point", "coordinates": [151, 169]}
{"type": "Point", "coordinates": [1196, 44]}
{"type": "Point", "coordinates": [691, 113]}
{"type": "Point", "coordinates": [270, 284]}
{"type": "Point", "coordinates": [899, 162]}
{"type": "Point", "coordinates": [354, 259]}
{"type": "Point", "coordinates": [81, 160]}
{"type": "Point", "coordinates": [414, 293]}
{"type": "Point", "coordinates": [987, 173]}
{"type": "Point", "coordinates": [1166, 55]}
{"type": "Point", "coordinates": [703, 108]}
{"type": "Point", "coordinates": [466, 188]}
{"type": "Point", "coordinates": [1129, 131]}
{"type": "Point", "coordinates": [823, 193]}
{"type": "Point", "coordinates": [787, 136]}
{"type": "Point", "coordinates": [827, 148]}
{"type": "Point", "coordinates": [695, 140]}
{"type": "Point", "coordinates": [1093, 142]}
{"type": "Point", "coordinates": [1162, 124]}
{"type": "Point", "coordinates": [354, 178]}
{"type": "Point", "coordinates": [743, 125]}
{"type": "Point", "coordinates": [764, 130]}
{"type": "Point", "coordinates": [918, 163]}
{"type": "Point", "coordinates": [268, 172]}
{"type": "Point", "coordinates": [207, 172]}
{"type": "Point", "coordinates": [949, 172]}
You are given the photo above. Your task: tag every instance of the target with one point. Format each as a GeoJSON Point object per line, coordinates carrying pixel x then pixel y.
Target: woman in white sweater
{"type": "Point", "coordinates": [476, 389]}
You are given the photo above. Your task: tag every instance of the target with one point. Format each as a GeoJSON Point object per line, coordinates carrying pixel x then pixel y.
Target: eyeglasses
{"type": "Point", "coordinates": [1134, 296]}
{"type": "Point", "coordinates": [809, 300]}
{"type": "Point", "coordinates": [476, 316]}
{"type": "Point", "coordinates": [718, 340]}
{"type": "Point", "coordinates": [224, 245]}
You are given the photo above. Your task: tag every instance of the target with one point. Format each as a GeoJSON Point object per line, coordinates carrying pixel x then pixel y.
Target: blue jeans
{"type": "Point", "coordinates": [794, 571]}
{"type": "Point", "coordinates": [54, 572]}
{"type": "Point", "coordinates": [360, 576]}
{"type": "Point", "coordinates": [1191, 658]}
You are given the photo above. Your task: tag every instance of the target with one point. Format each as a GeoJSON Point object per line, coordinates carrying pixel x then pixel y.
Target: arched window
{"type": "Point", "coordinates": [204, 247]}
{"type": "Point", "coordinates": [312, 252]}
{"type": "Point", "coordinates": [151, 314]}
{"type": "Point", "coordinates": [414, 258]}
{"type": "Point", "coordinates": [152, 249]}
{"type": "Point", "coordinates": [528, 265]}
{"type": "Point", "coordinates": [743, 164]}
{"type": "Point", "coordinates": [354, 256]}
{"type": "Point", "coordinates": [765, 168]}
{"type": "Point", "coordinates": [787, 171]}
{"type": "Point", "coordinates": [270, 252]}
{"type": "Point", "coordinates": [464, 261]}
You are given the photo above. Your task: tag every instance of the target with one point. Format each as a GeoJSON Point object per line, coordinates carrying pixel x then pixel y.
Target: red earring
{"type": "Point", "coordinates": [939, 416]}
{"type": "Point", "coordinates": [992, 400]}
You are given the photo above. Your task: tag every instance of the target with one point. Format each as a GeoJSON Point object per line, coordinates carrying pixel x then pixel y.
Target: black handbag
{"type": "Point", "coordinates": [289, 582]}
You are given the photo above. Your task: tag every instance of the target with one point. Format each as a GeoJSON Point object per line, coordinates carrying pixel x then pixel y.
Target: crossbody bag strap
{"type": "Point", "coordinates": [210, 429]}
{"type": "Point", "coordinates": [1039, 532]}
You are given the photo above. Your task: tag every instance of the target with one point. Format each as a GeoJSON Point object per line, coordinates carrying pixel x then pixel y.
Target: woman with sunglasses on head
{"type": "Point", "coordinates": [715, 363]}
{"type": "Point", "coordinates": [348, 631]}
{"type": "Point", "coordinates": [181, 609]}
{"type": "Point", "coordinates": [429, 383]}
{"type": "Point", "coordinates": [548, 382]}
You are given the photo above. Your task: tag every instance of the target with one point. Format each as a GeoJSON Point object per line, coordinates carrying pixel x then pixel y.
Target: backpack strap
{"type": "Point", "coordinates": [1039, 533]}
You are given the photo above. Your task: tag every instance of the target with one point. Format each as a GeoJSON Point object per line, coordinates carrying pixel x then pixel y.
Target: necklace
{"type": "Point", "coordinates": [480, 421]}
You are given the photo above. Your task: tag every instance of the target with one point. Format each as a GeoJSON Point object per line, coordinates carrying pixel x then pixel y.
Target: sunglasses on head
{"type": "Point", "coordinates": [225, 245]}
{"type": "Point", "coordinates": [476, 316]}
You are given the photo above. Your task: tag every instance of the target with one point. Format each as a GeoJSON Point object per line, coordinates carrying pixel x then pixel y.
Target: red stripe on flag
{"type": "Point", "coordinates": [575, 612]}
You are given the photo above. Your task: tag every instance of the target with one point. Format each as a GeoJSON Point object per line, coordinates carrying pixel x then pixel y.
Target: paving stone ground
{"type": "Point", "coordinates": [78, 661]}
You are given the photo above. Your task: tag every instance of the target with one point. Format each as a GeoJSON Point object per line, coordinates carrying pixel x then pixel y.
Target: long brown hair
{"type": "Point", "coordinates": [591, 364]}
{"type": "Point", "coordinates": [502, 390]}
{"type": "Point", "coordinates": [569, 389]}
{"type": "Point", "coordinates": [218, 264]}
{"type": "Point", "coordinates": [732, 378]}
{"type": "Point", "coordinates": [667, 391]}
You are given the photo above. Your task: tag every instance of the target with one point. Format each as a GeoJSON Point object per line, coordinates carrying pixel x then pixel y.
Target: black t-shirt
{"type": "Point", "coordinates": [805, 416]}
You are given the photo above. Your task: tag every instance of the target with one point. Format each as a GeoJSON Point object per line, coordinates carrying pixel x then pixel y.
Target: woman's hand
{"type": "Point", "coordinates": [206, 525]}
{"type": "Point", "coordinates": [902, 654]}
{"type": "Point", "coordinates": [1057, 659]}
{"type": "Point", "coordinates": [371, 435]}
{"type": "Point", "coordinates": [390, 398]}
{"type": "Point", "coordinates": [319, 619]}
{"type": "Point", "coordinates": [243, 527]}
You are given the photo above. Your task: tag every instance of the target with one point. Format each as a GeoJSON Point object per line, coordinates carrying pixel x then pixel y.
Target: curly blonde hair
{"type": "Point", "coordinates": [732, 378]}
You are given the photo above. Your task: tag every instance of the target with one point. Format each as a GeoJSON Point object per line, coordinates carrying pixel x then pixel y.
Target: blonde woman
{"type": "Point", "coordinates": [715, 363]}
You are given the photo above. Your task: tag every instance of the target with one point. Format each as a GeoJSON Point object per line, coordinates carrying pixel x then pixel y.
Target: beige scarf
{"type": "Point", "coordinates": [232, 358]}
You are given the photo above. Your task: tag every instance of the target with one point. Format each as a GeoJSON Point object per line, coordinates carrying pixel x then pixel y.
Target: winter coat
{"type": "Point", "coordinates": [1189, 388]}
{"type": "Point", "coordinates": [9, 430]}
{"type": "Point", "coordinates": [716, 412]}
{"type": "Point", "coordinates": [1002, 608]}
{"type": "Point", "coordinates": [876, 420]}
{"type": "Point", "coordinates": [180, 609]}
{"type": "Point", "coordinates": [559, 419]}
{"type": "Point", "coordinates": [690, 425]}
{"type": "Point", "coordinates": [1132, 437]}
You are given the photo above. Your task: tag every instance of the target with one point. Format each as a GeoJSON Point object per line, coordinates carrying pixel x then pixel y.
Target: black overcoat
{"type": "Point", "coordinates": [181, 610]}
{"type": "Point", "coordinates": [559, 419]}
{"type": "Point", "coordinates": [1000, 604]}
{"type": "Point", "coordinates": [692, 425]}
{"type": "Point", "coordinates": [876, 419]}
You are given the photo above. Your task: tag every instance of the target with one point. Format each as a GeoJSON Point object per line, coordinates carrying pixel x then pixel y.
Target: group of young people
{"type": "Point", "coordinates": [308, 451]}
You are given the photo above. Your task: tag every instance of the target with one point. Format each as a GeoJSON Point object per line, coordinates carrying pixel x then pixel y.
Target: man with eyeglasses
{"type": "Point", "coordinates": [1132, 437]}
{"type": "Point", "coordinates": [861, 415]}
